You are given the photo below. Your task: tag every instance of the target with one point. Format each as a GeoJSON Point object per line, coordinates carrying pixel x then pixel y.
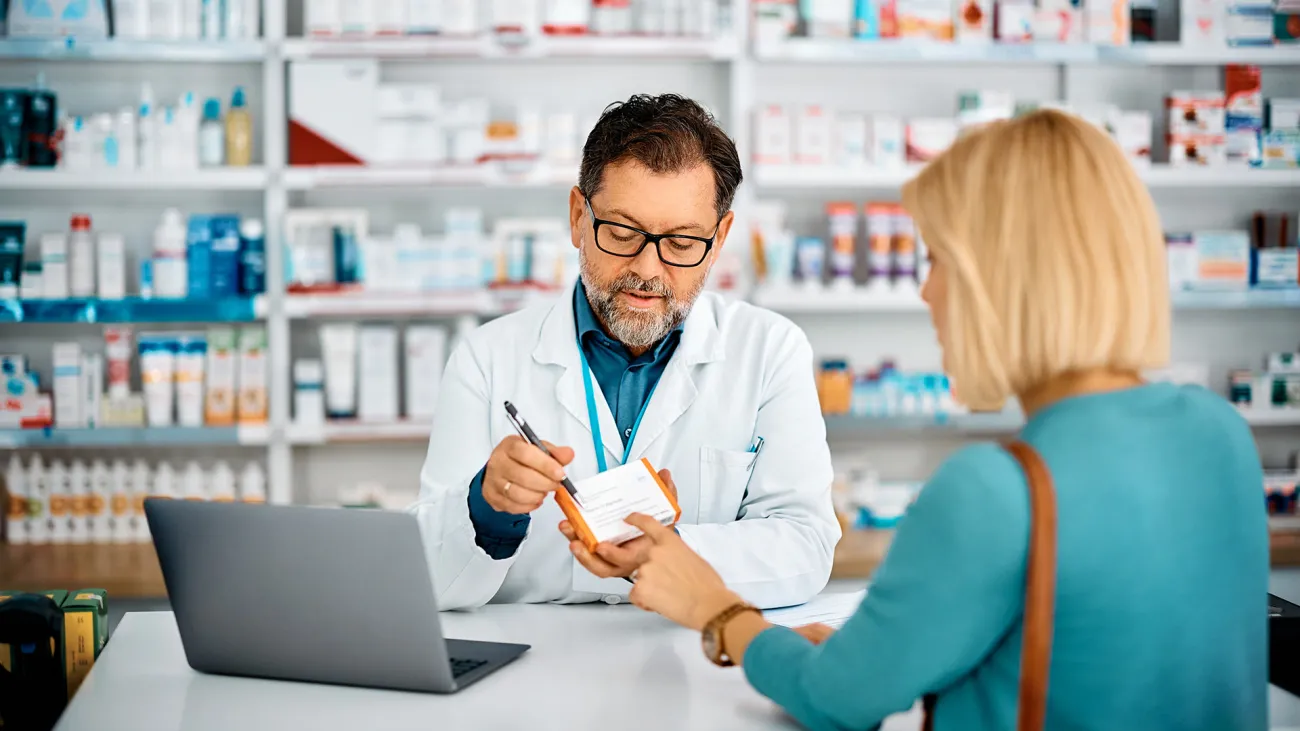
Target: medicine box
{"type": "Point", "coordinates": [974, 22]}
{"type": "Point", "coordinates": [251, 399]}
{"type": "Point", "coordinates": [332, 119]}
{"type": "Point", "coordinates": [813, 136]}
{"type": "Point", "coordinates": [85, 630]}
{"type": "Point", "coordinates": [1277, 268]}
{"type": "Point", "coordinates": [1223, 260]}
{"type": "Point", "coordinates": [887, 141]}
{"type": "Point", "coordinates": [925, 19]}
{"type": "Point", "coordinates": [1249, 23]}
{"type": "Point", "coordinates": [1014, 21]}
{"type": "Point", "coordinates": [826, 18]}
{"type": "Point", "coordinates": [111, 269]}
{"type": "Point", "coordinates": [1283, 114]}
{"type": "Point", "coordinates": [1195, 113]}
{"type": "Point", "coordinates": [866, 19]}
{"type": "Point", "coordinates": [1202, 23]}
{"type": "Point", "coordinates": [377, 392]}
{"type": "Point", "coordinates": [773, 136]}
{"type": "Point", "coordinates": [69, 398]}
{"type": "Point", "coordinates": [1286, 23]}
{"type": "Point", "coordinates": [1107, 22]}
{"type": "Point", "coordinates": [852, 140]}
{"type": "Point", "coordinates": [926, 138]}
{"type": "Point", "coordinates": [54, 265]}
{"type": "Point", "coordinates": [1280, 149]}
{"type": "Point", "coordinates": [1193, 150]}
{"type": "Point", "coordinates": [1058, 21]}
{"type": "Point", "coordinates": [426, 355]}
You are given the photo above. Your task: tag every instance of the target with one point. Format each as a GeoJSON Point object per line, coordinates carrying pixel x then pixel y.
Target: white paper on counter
{"type": "Point", "coordinates": [832, 610]}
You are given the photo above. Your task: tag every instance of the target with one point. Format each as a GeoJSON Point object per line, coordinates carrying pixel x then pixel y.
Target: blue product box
{"type": "Point", "coordinates": [198, 257]}
{"type": "Point", "coordinates": [224, 231]}
{"type": "Point", "coordinates": [1277, 268]}
{"type": "Point", "coordinates": [866, 19]}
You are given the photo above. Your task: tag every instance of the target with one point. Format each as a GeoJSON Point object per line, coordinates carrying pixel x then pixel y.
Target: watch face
{"type": "Point", "coordinates": [709, 639]}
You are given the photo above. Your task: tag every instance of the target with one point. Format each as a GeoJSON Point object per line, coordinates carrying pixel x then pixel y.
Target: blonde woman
{"type": "Point", "coordinates": [1048, 286]}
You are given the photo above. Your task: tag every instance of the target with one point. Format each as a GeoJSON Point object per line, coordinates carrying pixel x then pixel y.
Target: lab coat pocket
{"type": "Point", "coordinates": [724, 477]}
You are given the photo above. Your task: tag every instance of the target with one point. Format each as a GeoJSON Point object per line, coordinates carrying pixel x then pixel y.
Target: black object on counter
{"type": "Point", "coordinates": [1284, 644]}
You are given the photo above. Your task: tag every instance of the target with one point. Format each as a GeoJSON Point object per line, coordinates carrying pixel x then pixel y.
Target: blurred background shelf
{"type": "Point", "coordinates": [489, 176]}
{"type": "Point", "coordinates": [127, 571]}
{"type": "Point", "coordinates": [1156, 176]}
{"type": "Point", "coordinates": [828, 300]}
{"type": "Point", "coordinates": [838, 51]}
{"type": "Point", "coordinates": [142, 51]}
{"type": "Point", "coordinates": [177, 436]}
{"type": "Point", "coordinates": [209, 179]}
{"type": "Point", "coordinates": [483, 302]}
{"type": "Point", "coordinates": [133, 310]}
{"type": "Point", "coordinates": [508, 47]}
{"type": "Point", "coordinates": [332, 432]}
{"type": "Point", "coordinates": [864, 427]}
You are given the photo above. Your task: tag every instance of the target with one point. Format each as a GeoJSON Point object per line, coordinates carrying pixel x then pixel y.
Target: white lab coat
{"type": "Point", "coordinates": [765, 524]}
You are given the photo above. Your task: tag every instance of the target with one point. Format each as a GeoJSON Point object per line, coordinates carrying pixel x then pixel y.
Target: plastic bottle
{"type": "Point", "coordinates": [239, 131]}
{"type": "Point", "coordinates": [188, 119]}
{"type": "Point", "coordinates": [146, 131]}
{"type": "Point", "coordinates": [38, 502]}
{"type": "Point", "coordinates": [170, 267]}
{"type": "Point", "coordinates": [119, 503]}
{"type": "Point", "coordinates": [195, 485]}
{"type": "Point", "coordinates": [81, 258]}
{"type": "Point", "coordinates": [141, 487]}
{"type": "Point", "coordinates": [127, 142]}
{"type": "Point", "coordinates": [79, 488]}
{"type": "Point", "coordinates": [222, 483]}
{"type": "Point", "coordinates": [252, 484]}
{"type": "Point", "coordinates": [16, 510]}
{"type": "Point", "coordinates": [57, 484]}
{"type": "Point", "coordinates": [252, 257]}
{"type": "Point", "coordinates": [213, 14]}
{"type": "Point", "coordinates": [212, 136]}
{"type": "Point", "coordinates": [40, 125]}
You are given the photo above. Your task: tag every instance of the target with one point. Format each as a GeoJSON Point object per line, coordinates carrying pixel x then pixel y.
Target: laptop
{"type": "Point", "coordinates": [323, 595]}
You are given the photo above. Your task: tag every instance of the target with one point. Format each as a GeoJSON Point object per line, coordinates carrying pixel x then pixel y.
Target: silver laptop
{"type": "Point", "coordinates": [315, 594]}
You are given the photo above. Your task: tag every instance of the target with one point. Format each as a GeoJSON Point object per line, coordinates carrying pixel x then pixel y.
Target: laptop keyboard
{"type": "Point", "coordinates": [460, 666]}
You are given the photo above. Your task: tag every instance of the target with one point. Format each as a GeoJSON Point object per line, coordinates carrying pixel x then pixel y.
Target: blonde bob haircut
{"type": "Point", "coordinates": [1054, 256]}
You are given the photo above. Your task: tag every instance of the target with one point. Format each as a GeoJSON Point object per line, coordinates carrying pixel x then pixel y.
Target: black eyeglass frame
{"type": "Point", "coordinates": [649, 238]}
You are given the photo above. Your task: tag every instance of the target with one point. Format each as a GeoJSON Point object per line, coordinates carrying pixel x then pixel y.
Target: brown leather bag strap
{"type": "Point", "coordinates": [1040, 594]}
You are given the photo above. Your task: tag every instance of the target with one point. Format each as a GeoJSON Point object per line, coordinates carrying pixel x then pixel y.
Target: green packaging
{"type": "Point", "coordinates": [85, 630]}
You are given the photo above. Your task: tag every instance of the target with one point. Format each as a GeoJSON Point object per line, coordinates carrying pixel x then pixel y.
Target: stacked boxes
{"type": "Point", "coordinates": [1196, 128]}
{"type": "Point", "coordinates": [80, 640]}
{"type": "Point", "coordinates": [1243, 114]}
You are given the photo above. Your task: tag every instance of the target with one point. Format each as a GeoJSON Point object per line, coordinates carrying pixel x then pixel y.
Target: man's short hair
{"type": "Point", "coordinates": [667, 134]}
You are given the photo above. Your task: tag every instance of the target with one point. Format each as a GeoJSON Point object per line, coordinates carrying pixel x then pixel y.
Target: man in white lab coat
{"type": "Point", "coordinates": [718, 394]}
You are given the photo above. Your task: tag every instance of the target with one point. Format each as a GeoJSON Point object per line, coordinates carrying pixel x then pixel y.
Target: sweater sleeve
{"type": "Point", "coordinates": [947, 593]}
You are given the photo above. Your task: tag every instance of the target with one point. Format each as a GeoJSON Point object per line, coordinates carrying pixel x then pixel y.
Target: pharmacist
{"type": "Point", "coordinates": [719, 393]}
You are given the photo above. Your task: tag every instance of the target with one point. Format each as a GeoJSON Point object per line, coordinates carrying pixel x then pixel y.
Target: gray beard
{"type": "Point", "coordinates": [632, 328]}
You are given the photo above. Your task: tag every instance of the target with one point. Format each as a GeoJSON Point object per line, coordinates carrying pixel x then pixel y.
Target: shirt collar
{"type": "Point", "coordinates": [588, 326]}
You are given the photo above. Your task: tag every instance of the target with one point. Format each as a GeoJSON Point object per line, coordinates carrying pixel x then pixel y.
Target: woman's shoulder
{"type": "Point", "coordinates": [980, 479]}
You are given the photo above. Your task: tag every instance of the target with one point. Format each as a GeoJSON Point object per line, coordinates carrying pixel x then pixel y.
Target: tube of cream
{"type": "Point", "coordinates": [157, 365]}
{"type": "Point", "coordinates": [338, 343]}
{"type": "Point", "coordinates": [191, 352]}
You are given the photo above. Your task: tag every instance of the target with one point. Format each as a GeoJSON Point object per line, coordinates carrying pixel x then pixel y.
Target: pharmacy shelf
{"type": "Point", "coordinates": [1155, 176]}
{"type": "Point", "coordinates": [796, 300]}
{"type": "Point", "coordinates": [133, 309]}
{"type": "Point", "coordinates": [485, 303]}
{"type": "Point", "coordinates": [510, 47]}
{"type": "Point", "coordinates": [849, 427]}
{"type": "Point", "coordinates": [244, 436]}
{"type": "Point", "coordinates": [1247, 299]}
{"type": "Point", "coordinates": [144, 51]}
{"type": "Point", "coordinates": [816, 50]}
{"type": "Point", "coordinates": [341, 432]}
{"type": "Point", "coordinates": [249, 178]}
{"type": "Point", "coordinates": [476, 176]}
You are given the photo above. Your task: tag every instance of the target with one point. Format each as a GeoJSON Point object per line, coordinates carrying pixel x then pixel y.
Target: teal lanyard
{"type": "Point", "coordinates": [594, 416]}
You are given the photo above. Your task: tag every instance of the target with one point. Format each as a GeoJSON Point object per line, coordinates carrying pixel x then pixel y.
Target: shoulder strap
{"type": "Point", "coordinates": [1040, 593]}
{"type": "Point", "coordinates": [1040, 588]}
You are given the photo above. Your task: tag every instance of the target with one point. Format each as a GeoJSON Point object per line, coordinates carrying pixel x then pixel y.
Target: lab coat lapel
{"type": "Point", "coordinates": [558, 345]}
{"type": "Point", "coordinates": [701, 343]}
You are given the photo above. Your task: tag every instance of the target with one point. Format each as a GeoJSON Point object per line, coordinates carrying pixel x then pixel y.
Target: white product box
{"type": "Point", "coordinates": [1107, 22]}
{"type": "Point", "coordinates": [426, 141]}
{"type": "Point", "coordinates": [332, 116]}
{"type": "Point", "coordinates": [389, 16]}
{"type": "Point", "coordinates": [111, 268]}
{"type": "Point", "coordinates": [461, 17]}
{"type": "Point", "coordinates": [308, 393]}
{"type": "Point", "coordinates": [813, 131]}
{"type": "Point", "coordinates": [69, 387]}
{"type": "Point", "coordinates": [1249, 25]}
{"type": "Point", "coordinates": [562, 144]}
{"type": "Point", "coordinates": [1283, 114]}
{"type": "Point", "coordinates": [516, 16]}
{"type": "Point", "coordinates": [852, 140]}
{"type": "Point", "coordinates": [323, 17]}
{"type": "Point", "coordinates": [377, 391]}
{"type": "Point", "coordinates": [1133, 134]}
{"type": "Point", "coordinates": [1195, 112]}
{"type": "Point", "coordinates": [426, 355]}
{"type": "Point", "coordinates": [926, 138]}
{"type": "Point", "coordinates": [774, 133]}
{"type": "Point", "coordinates": [1015, 21]}
{"type": "Point", "coordinates": [828, 18]}
{"type": "Point", "coordinates": [887, 149]}
{"type": "Point", "coordinates": [1058, 21]}
{"type": "Point", "coordinates": [54, 265]}
{"type": "Point", "coordinates": [393, 143]}
{"type": "Point", "coordinates": [409, 101]}
{"type": "Point", "coordinates": [1202, 23]}
{"type": "Point", "coordinates": [219, 387]}
{"type": "Point", "coordinates": [423, 16]}
{"type": "Point", "coordinates": [1180, 249]}
{"type": "Point", "coordinates": [358, 16]}
{"type": "Point", "coordinates": [1191, 150]}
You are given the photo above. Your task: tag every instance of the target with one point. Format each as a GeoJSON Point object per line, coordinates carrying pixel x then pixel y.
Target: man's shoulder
{"type": "Point", "coordinates": [740, 320]}
{"type": "Point", "coordinates": [512, 331]}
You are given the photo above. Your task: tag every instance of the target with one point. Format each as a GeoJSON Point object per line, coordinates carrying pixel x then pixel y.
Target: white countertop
{"type": "Point", "coordinates": [591, 666]}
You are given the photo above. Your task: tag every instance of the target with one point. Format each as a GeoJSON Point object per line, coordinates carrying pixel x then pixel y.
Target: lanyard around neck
{"type": "Point", "coordinates": [594, 416]}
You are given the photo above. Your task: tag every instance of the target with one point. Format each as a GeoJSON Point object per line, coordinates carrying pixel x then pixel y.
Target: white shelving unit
{"type": "Point", "coordinates": [748, 74]}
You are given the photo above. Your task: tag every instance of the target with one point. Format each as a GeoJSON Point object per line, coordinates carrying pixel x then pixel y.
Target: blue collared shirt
{"type": "Point", "coordinates": [627, 383]}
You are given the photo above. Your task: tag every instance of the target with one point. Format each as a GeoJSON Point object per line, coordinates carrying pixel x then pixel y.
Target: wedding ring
{"type": "Point", "coordinates": [506, 489]}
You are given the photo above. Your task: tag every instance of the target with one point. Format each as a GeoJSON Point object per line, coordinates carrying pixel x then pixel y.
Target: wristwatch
{"type": "Point", "coordinates": [711, 636]}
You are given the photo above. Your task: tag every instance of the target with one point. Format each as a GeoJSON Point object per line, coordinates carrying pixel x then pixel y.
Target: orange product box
{"type": "Point", "coordinates": [609, 497]}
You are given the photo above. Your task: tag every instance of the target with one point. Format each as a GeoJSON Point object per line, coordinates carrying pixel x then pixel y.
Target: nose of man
{"type": "Point", "coordinates": [647, 264]}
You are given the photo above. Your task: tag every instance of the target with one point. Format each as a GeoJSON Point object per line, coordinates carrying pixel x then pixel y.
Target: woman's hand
{"type": "Point", "coordinates": [674, 581]}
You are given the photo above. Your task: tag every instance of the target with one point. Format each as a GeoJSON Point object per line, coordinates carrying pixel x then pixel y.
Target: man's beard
{"type": "Point", "coordinates": [635, 328]}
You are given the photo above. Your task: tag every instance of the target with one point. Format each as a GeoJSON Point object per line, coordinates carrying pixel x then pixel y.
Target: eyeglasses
{"type": "Point", "coordinates": [675, 250]}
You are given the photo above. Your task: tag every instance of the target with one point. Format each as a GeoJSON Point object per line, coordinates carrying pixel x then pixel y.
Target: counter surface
{"type": "Point", "coordinates": [591, 667]}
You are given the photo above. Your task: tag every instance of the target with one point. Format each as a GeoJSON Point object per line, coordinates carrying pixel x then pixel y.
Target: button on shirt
{"type": "Point", "coordinates": [626, 381]}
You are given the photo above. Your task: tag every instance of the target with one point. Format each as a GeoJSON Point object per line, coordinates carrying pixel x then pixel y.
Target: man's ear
{"type": "Point", "coordinates": [724, 228]}
{"type": "Point", "coordinates": [577, 215]}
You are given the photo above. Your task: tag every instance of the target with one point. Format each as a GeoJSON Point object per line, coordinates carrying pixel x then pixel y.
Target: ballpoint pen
{"type": "Point", "coordinates": [526, 432]}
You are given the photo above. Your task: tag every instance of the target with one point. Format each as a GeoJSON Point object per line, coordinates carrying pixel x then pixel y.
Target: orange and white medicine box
{"type": "Point", "coordinates": [611, 496]}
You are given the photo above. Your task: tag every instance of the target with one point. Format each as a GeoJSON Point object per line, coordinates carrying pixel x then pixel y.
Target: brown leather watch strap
{"type": "Point", "coordinates": [718, 626]}
{"type": "Point", "coordinates": [1040, 594]}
